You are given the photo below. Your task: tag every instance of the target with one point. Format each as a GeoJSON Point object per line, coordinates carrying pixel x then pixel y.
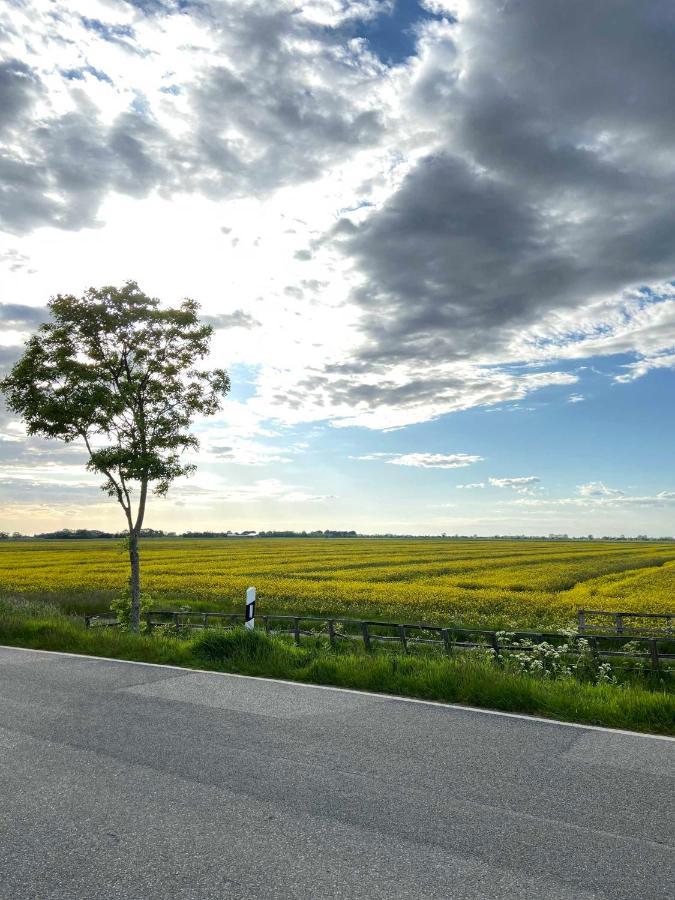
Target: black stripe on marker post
{"type": "Point", "coordinates": [249, 618]}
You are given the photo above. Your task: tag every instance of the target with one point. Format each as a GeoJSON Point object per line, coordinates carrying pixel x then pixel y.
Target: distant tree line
{"type": "Point", "coordinates": [301, 534]}
{"type": "Point", "coordinates": [83, 534]}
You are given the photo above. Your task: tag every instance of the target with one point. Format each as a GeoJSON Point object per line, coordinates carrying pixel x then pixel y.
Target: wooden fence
{"type": "Point", "coordinates": [655, 651]}
{"type": "Point", "coordinates": [600, 621]}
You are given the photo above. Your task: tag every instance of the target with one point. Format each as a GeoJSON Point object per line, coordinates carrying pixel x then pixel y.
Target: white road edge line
{"type": "Point", "coordinates": [330, 687]}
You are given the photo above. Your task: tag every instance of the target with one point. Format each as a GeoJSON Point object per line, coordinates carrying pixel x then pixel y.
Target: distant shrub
{"type": "Point", "coordinates": [121, 606]}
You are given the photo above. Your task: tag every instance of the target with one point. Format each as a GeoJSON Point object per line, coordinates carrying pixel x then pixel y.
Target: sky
{"type": "Point", "coordinates": [435, 240]}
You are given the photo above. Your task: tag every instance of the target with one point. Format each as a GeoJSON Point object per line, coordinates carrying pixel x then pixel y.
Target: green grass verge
{"type": "Point", "coordinates": [467, 678]}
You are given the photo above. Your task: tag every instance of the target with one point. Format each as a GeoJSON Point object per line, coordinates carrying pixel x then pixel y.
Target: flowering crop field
{"type": "Point", "coordinates": [505, 584]}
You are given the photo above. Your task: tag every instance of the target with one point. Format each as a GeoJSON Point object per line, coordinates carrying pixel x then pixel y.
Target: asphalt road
{"type": "Point", "coordinates": [128, 781]}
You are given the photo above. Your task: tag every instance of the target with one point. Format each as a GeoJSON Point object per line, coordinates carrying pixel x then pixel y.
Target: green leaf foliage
{"type": "Point", "coordinates": [125, 376]}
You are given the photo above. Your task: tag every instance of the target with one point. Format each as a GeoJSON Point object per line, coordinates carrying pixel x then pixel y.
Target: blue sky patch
{"type": "Point", "coordinates": [392, 36]}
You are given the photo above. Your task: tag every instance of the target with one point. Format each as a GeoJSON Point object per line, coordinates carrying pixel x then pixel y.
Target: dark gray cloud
{"type": "Point", "coordinates": [553, 184]}
{"type": "Point", "coordinates": [70, 162]}
{"type": "Point", "coordinates": [8, 356]}
{"type": "Point", "coordinates": [365, 393]}
{"type": "Point", "coordinates": [289, 111]}
{"type": "Point", "coordinates": [18, 88]}
{"type": "Point", "coordinates": [236, 319]}
{"type": "Point", "coordinates": [19, 316]}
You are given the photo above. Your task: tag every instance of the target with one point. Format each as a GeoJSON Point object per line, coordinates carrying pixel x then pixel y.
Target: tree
{"type": "Point", "coordinates": [114, 370]}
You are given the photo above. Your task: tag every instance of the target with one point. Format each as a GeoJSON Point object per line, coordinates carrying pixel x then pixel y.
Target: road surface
{"type": "Point", "coordinates": [120, 780]}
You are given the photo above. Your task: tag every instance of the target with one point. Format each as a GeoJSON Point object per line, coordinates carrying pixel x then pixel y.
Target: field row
{"type": "Point", "coordinates": [506, 584]}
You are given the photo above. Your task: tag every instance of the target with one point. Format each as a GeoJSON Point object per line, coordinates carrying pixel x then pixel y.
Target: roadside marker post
{"type": "Point", "coordinates": [249, 621]}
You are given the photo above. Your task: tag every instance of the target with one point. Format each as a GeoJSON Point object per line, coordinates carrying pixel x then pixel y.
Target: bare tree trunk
{"type": "Point", "coordinates": [135, 559]}
{"type": "Point", "coordinates": [135, 582]}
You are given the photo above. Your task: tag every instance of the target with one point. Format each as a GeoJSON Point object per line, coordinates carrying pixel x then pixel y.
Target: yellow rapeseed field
{"type": "Point", "coordinates": [507, 584]}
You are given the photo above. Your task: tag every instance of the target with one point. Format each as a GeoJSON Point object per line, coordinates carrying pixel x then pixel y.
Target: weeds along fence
{"type": "Point", "coordinates": [652, 653]}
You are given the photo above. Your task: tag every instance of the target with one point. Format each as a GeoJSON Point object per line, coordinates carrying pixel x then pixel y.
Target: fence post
{"type": "Point", "coordinates": [331, 632]}
{"type": "Point", "coordinates": [296, 630]}
{"type": "Point", "coordinates": [87, 621]}
{"type": "Point", "coordinates": [593, 644]}
{"type": "Point", "coordinates": [618, 621]}
{"type": "Point", "coordinates": [445, 634]}
{"type": "Point", "coordinates": [404, 637]}
{"type": "Point", "coordinates": [148, 622]}
{"type": "Point", "coordinates": [266, 623]}
{"type": "Point", "coordinates": [249, 617]}
{"type": "Point", "coordinates": [581, 621]}
{"type": "Point", "coordinates": [495, 647]}
{"type": "Point", "coordinates": [366, 635]}
{"type": "Point", "coordinates": [205, 620]}
{"type": "Point", "coordinates": [654, 653]}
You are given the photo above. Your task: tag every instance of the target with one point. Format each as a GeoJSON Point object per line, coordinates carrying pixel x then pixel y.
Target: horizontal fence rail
{"type": "Point", "coordinates": [601, 621]}
{"type": "Point", "coordinates": [657, 652]}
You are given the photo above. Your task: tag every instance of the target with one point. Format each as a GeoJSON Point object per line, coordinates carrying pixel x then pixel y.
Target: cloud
{"type": "Point", "coordinates": [473, 486]}
{"type": "Point", "coordinates": [500, 199]}
{"type": "Point", "coordinates": [598, 489]}
{"type": "Point", "coordinates": [378, 396]}
{"type": "Point", "coordinates": [546, 197]}
{"type": "Point", "coordinates": [271, 489]}
{"type": "Point", "coordinates": [424, 460]}
{"type": "Point", "coordinates": [250, 453]}
{"type": "Point", "coordinates": [643, 366]}
{"type": "Point", "coordinates": [51, 472]}
{"type": "Point", "coordinates": [236, 319]}
{"type": "Point", "coordinates": [261, 96]}
{"type": "Point", "coordinates": [597, 495]}
{"type": "Point", "coordinates": [612, 501]}
{"type": "Point", "coordinates": [21, 317]}
{"type": "Point", "coordinates": [16, 261]}
{"type": "Point", "coordinates": [435, 460]}
{"type": "Point", "coordinates": [521, 484]}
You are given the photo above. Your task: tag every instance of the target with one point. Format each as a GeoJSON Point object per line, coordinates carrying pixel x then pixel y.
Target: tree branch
{"type": "Point", "coordinates": [141, 505]}
{"type": "Point", "coordinates": [109, 476]}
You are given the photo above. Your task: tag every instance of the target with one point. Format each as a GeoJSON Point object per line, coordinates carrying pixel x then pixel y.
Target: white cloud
{"type": "Point", "coordinates": [49, 473]}
{"type": "Point", "coordinates": [250, 453]}
{"type": "Point", "coordinates": [597, 495]}
{"type": "Point", "coordinates": [384, 398]}
{"type": "Point", "coordinates": [425, 460]}
{"type": "Point", "coordinates": [271, 489]}
{"type": "Point", "coordinates": [644, 366]}
{"type": "Point", "coordinates": [473, 486]}
{"type": "Point", "coordinates": [598, 489]}
{"type": "Point", "coordinates": [522, 483]}
{"type": "Point", "coordinates": [614, 501]}
{"type": "Point", "coordinates": [435, 460]}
